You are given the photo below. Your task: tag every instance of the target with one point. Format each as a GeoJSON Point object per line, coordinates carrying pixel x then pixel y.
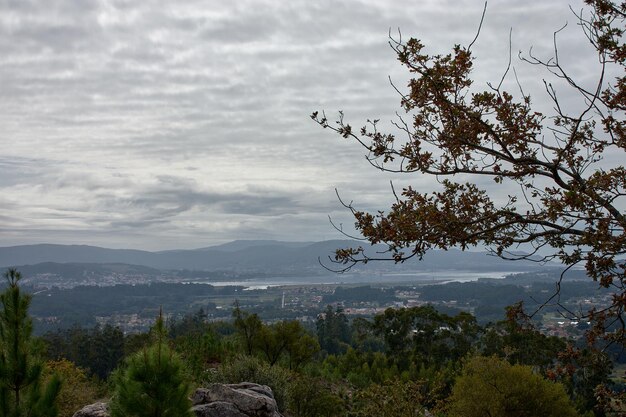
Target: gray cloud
{"type": "Point", "coordinates": [153, 125]}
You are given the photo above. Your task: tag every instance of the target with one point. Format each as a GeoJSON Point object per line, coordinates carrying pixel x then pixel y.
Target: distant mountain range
{"type": "Point", "coordinates": [267, 256]}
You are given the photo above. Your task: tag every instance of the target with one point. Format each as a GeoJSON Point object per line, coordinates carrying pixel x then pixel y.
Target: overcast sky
{"type": "Point", "coordinates": [157, 125]}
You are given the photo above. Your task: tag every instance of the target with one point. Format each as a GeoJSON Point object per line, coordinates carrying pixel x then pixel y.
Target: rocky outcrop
{"type": "Point", "coordinates": [217, 400]}
{"type": "Point", "coordinates": [93, 410]}
{"type": "Point", "coordinates": [235, 400]}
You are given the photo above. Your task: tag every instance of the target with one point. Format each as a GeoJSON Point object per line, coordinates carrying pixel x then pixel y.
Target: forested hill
{"type": "Point", "coordinates": [264, 255]}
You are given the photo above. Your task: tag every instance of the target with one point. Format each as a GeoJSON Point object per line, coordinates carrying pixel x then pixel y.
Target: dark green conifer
{"type": "Point", "coordinates": [153, 383]}
{"type": "Point", "coordinates": [21, 390]}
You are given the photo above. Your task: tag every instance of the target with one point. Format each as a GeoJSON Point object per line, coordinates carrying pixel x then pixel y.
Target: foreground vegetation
{"type": "Point", "coordinates": [404, 362]}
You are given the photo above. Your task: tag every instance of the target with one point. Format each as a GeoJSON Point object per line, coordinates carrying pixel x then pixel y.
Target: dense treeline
{"type": "Point", "coordinates": [123, 299]}
{"type": "Point", "coordinates": [489, 298]}
{"type": "Point", "coordinates": [82, 304]}
{"type": "Point", "coordinates": [418, 358]}
{"type": "Point", "coordinates": [492, 292]}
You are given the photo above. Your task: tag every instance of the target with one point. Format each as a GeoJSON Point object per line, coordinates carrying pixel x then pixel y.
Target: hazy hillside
{"type": "Point", "coordinates": [262, 256]}
{"type": "Point", "coordinates": [78, 270]}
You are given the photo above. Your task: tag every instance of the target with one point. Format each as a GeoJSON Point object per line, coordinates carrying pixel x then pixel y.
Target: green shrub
{"type": "Point", "coordinates": [490, 386]}
{"type": "Point", "coordinates": [313, 397]}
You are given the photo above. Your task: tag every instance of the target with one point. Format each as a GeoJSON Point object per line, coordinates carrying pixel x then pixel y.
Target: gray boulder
{"type": "Point", "coordinates": [93, 410]}
{"type": "Point", "coordinates": [235, 400]}
{"type": "Point", "coordinates": [217, 400]}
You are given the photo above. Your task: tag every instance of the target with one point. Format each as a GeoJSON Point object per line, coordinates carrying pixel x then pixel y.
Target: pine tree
{"type": "Point", "coordinates": [153, 382]}
{"type": "Point", "coordinates": [249, 327]}
{"type": "Point", "coordinates": [21, 390]}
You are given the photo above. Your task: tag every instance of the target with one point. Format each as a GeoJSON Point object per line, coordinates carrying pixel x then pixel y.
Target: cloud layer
{"type": "Point", "coordinates": [158, 125]}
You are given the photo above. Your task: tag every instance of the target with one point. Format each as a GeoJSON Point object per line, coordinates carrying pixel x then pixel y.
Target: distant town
{"type": "Point", "coordinates": [89, 286]}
